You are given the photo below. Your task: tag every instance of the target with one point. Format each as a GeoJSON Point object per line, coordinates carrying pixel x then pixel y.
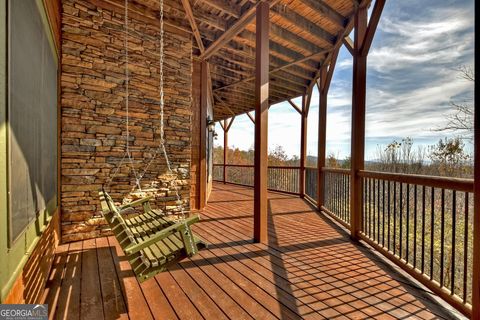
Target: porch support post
{"type": "Point", "coordinates": [476, 220]}
{"type": "Point", "coordinates": [322, 136]}
{"type": "Point", "coordinates": [225, 146]}
{"type": "Point", "coordinates": [358, 122]}
{"type": "Point", "coordinates": [203, 135]}
{"type": "Point", "coordinates": [303, 144]}
{"type": "Point", "coordinates": [260, 204]}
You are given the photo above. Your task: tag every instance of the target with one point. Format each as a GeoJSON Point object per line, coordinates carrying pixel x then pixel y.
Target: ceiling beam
{"type": "Point", "coordinates": [193, 24]}
{"type": "Point", "coordinates": [294, 106]}
{"type": "Point", "coordinates": [229, 124]}
{"type": "Point", "coordinates": [321, 7]}
{"type": "Point", "coordinates": [251, 117]}
{"type": "Point", "coordinates": [293, 39]}
{"type": "Point", "coordinates": [249, 93]}
{"type": "Point", "coordinates": [342, 34]}
{"type": "Point", "coordinates": [235, 58]}
{"type": "Point", "coordinates": [372, 26]}
{"type": "Point", "coordinates": [331, 69]}
{"type": "Point", "coordinates": [348, 43]}
{"type": "Point", "coordinates": [274, 70]}
{"type": "Point", "coordinates": [298, 20]}
{"type": "Point", "coordinates": [234, 29]}
{"type": "Point", "coordinates": [224, 7]}
{"type": "Point", "coordinates": [277, 49]}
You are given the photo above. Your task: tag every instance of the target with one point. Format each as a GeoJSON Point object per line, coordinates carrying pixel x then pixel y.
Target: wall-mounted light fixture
{"type": "Point", "coordinates": [210, 124]}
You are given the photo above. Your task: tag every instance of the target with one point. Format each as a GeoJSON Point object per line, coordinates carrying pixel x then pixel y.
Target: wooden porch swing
{"type": "Point", "coordinates": [150, 240]}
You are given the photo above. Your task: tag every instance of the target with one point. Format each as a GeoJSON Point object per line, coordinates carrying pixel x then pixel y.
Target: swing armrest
{"type": "Point", "coordinates": [179, 226]}
{"type": "Point", "coordinates": [135, 203]}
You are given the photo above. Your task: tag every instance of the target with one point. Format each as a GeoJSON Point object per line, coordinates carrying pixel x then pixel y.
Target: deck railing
{"type": "Point", "coordinates": [337, 194]}
{"type": "Point", "coordinates": [424, 224]}
{"type": "Point", "coordinates": [280, 178]}
{"type": "Point", "coordinates": [311, 182]}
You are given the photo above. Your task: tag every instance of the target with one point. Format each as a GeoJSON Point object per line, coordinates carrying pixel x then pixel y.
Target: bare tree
{"type": "Point", "coordinates": [461, 121]}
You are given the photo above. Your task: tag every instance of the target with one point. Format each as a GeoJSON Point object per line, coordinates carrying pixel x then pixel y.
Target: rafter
{"type": "Point", "coordinates": [193, 24]}
{"type": "Point", "coordinates": [293, 39]}
{"type": "Point", "coordinates": [348, 43]}
{"type": "Point", "coordinates": [294, 106]}
{"type": "Point", "coordinates": [372, 26]}
{"type": "Point", "coordinates": [251, 117]}
{"type": "Point", "coordinates": [274, 70]}
{"type": "Point", "coordinates": [278, 50]}
{"type": "Point", "coordinates": [245, 59]}
{"type": "Point", "coordinates": [313, 29]}
{"type": "Point", "coordinates": [230, 124]}
{"type": "Point", "coordinates": [321, 7]}
{"type": "Point", "coordinates": [234, 29]}
{"type": "Point", "coordinates": [340, 37]}
{"type": "Point", "coordinates": [224, 7]}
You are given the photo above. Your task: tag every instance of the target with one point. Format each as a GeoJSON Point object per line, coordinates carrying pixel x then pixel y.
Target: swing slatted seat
{"type": "Point", "coordinates": [150, 242]}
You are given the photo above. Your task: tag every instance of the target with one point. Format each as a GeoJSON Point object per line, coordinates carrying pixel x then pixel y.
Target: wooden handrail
{"type": "Point", "coordinates": [336, 170]}
{"type": "Point", "coordinates": [233, 165]}
{"type": "Point", "coordinates": [282, 167]}
{"type": "Point", "coordinates": [457, 184]}
{"type": "Point", "coordinates": [251, 166]}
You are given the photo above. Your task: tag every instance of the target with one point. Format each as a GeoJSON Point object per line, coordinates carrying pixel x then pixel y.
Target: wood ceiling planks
{"type": "Point", "coordinates": [303, 34]}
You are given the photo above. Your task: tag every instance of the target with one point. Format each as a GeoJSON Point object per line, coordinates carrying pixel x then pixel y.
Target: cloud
{"type": "Point", "coordinates": [411, 80]}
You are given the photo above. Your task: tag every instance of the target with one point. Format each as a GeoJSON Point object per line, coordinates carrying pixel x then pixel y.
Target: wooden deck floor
{"type": "Point", "coordinates": [310, 269]}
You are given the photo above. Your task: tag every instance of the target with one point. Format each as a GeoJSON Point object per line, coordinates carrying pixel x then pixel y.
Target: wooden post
{"type": "Point", "coordinates": [225, 147]}
{"type": "Point", "coordinates": [260, 233]}
{"type": "Point", "coordinates": [322, 136]}
{"type": "Point", "coordinates": [203, 135]}
{"type": "Point", "coordinates": [358, 122]}
{"type": "Point", "coordinates": [476, 220]}
{"type": "Point", "coordinates": [303, 145]}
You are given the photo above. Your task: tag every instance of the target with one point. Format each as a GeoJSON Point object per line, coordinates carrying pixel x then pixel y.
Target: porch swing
{"type": "Point", "coordinates": [150, 240]}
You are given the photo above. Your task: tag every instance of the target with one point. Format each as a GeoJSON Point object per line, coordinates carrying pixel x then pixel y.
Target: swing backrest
{"type": "Point", "coordinates": [115, 220]}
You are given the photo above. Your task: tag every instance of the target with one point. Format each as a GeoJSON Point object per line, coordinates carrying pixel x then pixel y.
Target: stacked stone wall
{"type": "Point", "coordinates": [93, 112]}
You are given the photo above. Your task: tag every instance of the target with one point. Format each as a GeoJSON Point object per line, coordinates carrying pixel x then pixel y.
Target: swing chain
{"type": "Point", "coordinates": [161, 148]}
{"type": "Point", "coordinates": [162, 105]}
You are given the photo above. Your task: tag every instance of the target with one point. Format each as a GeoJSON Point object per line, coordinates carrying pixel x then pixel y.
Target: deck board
{"type": "Point", "coordinates": [68, 306]}
{"type": "Point", "coordinates": [309, 269]}
{"type": "Point", "coordinates": [91, 301]}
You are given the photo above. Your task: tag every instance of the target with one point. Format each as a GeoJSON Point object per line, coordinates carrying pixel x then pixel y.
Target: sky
{"type": "Point", "coordinates": [412, 78]}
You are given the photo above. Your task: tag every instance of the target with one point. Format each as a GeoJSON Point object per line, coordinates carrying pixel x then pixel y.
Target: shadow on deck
{"type": "Point", "coordinates": [310, 269]}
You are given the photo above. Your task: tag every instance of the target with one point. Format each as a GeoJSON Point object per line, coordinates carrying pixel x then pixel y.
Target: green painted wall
{"type": "Point", "coordinates": [14, 258]}
{"type": "Point", "coordinates": [4, 272]}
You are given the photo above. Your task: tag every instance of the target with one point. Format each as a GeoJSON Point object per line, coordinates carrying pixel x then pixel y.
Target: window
{"type": "Point", "coordinates": [32, 115]}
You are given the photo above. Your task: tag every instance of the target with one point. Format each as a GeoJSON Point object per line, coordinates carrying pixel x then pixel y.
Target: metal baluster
{"type": "Point", "coordinates": [465, 252]}
{"type": "Point", "coordinates": [407, 238]}
{"type": "Point", "coordinates": [388, 229]}
{"type": "Point", "coordinates": [378, 211]}
{"type": "Point", "coordinates": [394, 217]}
{"type": "Point", "coordinates": [454, 226]}
{"type": "Point", "coordinates": [442, 239]}
{"type": "Point", "coordinates": [423, 228]}
{"type": "Point", "coordinates": [373, 210]}
{"type": "Point", "coordinates": [383, 211]}
{"type": "Point", "coordinates": [415, 226]}
{"type": "Point", "coordinates": [432, 230]}
{"type": "Point", "coordinates": [400, 235]}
